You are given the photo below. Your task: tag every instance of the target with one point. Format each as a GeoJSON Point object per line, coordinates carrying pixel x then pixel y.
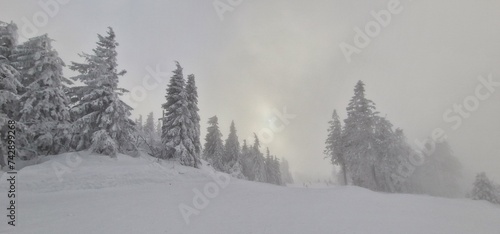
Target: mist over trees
{"type": "Point", "coordinates": [55, 115]}
{"type": "Point", "coordinates": [371, 153]}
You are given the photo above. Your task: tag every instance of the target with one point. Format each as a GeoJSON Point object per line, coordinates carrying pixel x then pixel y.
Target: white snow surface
{"type": "Point", "coordinates": [100, 194]}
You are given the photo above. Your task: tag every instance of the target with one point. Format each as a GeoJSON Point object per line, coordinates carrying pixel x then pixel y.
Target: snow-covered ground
{"type": "Point", "coordinates": [139, 195]}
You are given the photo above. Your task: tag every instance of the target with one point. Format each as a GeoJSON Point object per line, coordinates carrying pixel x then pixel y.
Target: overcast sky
{"type": "Point", "coordinates": [278, 54]}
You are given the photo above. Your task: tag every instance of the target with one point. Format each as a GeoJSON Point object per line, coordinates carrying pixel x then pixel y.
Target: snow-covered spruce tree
{"type": "Point", "coordinates": [400, 151]}
{"type": "Point", "coordinates": [273, 174]}
{"type": "Point", "coordinates": [194, 124]}
{"type": "Point", "coordinates": [286, 176]}
{"type": "Point", "coordinates": [213, 151]}
{"type": "Point", "coordinates": [484, 189]}
{"type": "Point", "coordinates": [277, 171]}
{"type": "Point", "coordinates": [177, 123]}
{"type": "Point", "coordinates": [333, 148]}
{"type": "Point", "coordinates": [232, 152]}
{"type": "Point", "coordinates": [44, 104]}
{"type": "Point", "coordinates": [10, 84]}
{"type": "Point", "coordinates": [101, 119]}
{"type": "Point", "coordinates": [358, 139]}
{"type": "Point", "coordinates": [8, 40]}
{"type": "Point", "coordinates": [387, 154]}
{"type": "Point", "coordinates": [259, 164]}
{"type": "Point", "coordinates": [247, 161]}
{"type": "Point", "coordinates": [149, 126]}
{"type": "Point", "coordinates": [139, 136]}
{"type": "Point", "coordinates": [269, 167]}
{"type": "Point", "coordinates": [149, 138]}
{"type": "Point", "coordinates": [139, 123]}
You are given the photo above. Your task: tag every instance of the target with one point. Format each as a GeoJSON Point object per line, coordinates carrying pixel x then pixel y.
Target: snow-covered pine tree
{"type": "Point", "coordinates": [277, 171]}
{"type": "Point", "coordinates": [484, 189]}
{"type": "Point", "coordinates": [9, 83]}
{"type": "Point", "coordinates": [9, 76]}
{"type": "Point", "coordinates": [358, 138]}
{"type": "Point", "coordinates": [101, 119]}
{"type": "Point", "coordinates": [139, 123]}
{"type": "Point", "coordinates": [273, 174]}
{"type": "Point", "coordinates": [269, 167]}
{"type": "Point", "coordinates": [44, 104]}
{"type": "Point", "coordinates": [177, 122]}
{"type": "Point", "coordinates": [213, 151]}
{"type": "Point", "coordinates": [192, 105]}
{"type": "Point", "coordinates": [259, 164]}
{"type": "Point", "coordinates": [401, 151]}
{"type": "Point", "coordinates": [232, 149]}
{"type": "Point", "coordinates": [286, 176]}
{"type": "Point", "coordinates": [246, 161]}
{"type": "Point", "coordinates": [149, 126]}
{"type": "Point", "coordinates": [334, 144]}
{"type": "Point", "coordinates": [8, 40]}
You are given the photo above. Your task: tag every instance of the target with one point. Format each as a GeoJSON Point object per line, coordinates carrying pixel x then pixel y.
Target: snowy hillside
{"type": "Point", "coordinates": [100, 194]}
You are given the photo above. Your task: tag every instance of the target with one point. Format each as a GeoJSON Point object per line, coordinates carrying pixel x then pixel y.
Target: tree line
{"type": "Point", "coordinates": [55, 114]}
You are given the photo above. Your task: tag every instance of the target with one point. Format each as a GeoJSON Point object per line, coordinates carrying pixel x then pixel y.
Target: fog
{"type": "Point", "coordinates": [285, 55]}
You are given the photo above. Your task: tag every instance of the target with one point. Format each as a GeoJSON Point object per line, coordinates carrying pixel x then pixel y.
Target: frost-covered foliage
{"type": "Point", "coordinates": [273, 174]}
{"type": "Point", "coordinates": [358, 139]}
{"type": "Point", "coordinates": [213, 151]}
{"type": "Point", "coordinates": [485, 189]}
{"type": "Point", "coordinates": [147, 137]}
{"type": "Point", "coordinates": [374, 152]}
{"type": "Point", "coordinates": [10, 84]}
{"type": "Point", "coordinates": [194, 123]}
{"type": "Point", "coordinates": [178, 127]}
{"type": "Point", "coordinates": [8, 39]}
{"type": "Point", "coordinates": [246, 161]}
{"type": "Point", "coordinates": [232, 151]}
{"type": "Point", "coordinates": [9, 76]}
{"type": "Point", "coordinates": [259, 164]}
{"type": "Point", "coordinates": [333, 149]}
{"type": "Point", "coordinates": [44, 104]}
{"type": "Point", "coordinates": [101, 119]}
{"type": "Point", "coordinates": [256, 167]}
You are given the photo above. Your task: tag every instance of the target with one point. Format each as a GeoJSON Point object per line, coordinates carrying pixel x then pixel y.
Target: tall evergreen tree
{"type": "Point", "coordinates": [177, 122]}
{"type": "Point", "coordinates": [232, 149]}
{"type": "Point", "coordinates": [334, 144]}
{"type": "Point", "coordinates": [277, 171]}
{"type": "Point", "coordinates": [194, 124]}
{"type": "Point", "coordinates": [44, 109]}
{"type": "Point", "coordinates": [358, 138]}
{"type": "Point", "coordinates": [149, 126]}
{"type": "Point", "coordinates": [101, 119]}
{"type": "Point", "coordinates": [389, 146]}
{"type": "Point", "coordinates": [246, 161]}
{"type": "Point", "coordinates": [213, 151]}
{"type": "Point", "coordinates": [10, 84]}
{"type": "Point", "coordinates": [273, 174]}
{"type": "Point", "coordinates": [139, 123]}
{"type": "Point", "coordinates": [259, 164]}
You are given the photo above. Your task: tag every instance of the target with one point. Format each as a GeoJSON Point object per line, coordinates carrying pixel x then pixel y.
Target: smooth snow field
{"type": "Point", "coordinates": [85, 193]}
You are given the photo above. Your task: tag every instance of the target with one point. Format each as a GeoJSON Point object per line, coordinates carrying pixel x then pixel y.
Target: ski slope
{"type": "Point", "coordinates": [98, 194]}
